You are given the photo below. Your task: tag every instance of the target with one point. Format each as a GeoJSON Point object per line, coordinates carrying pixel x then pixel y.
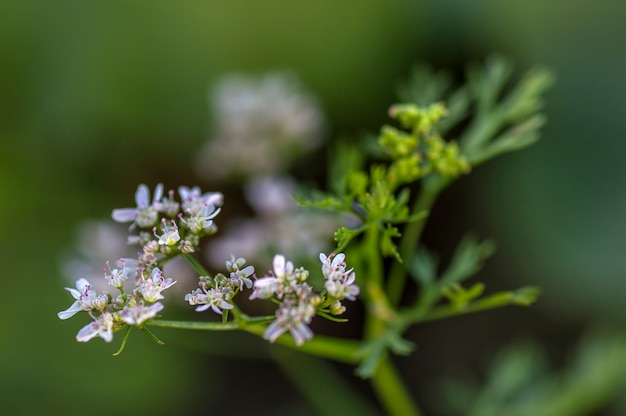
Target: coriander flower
{"type": "Point", "coordinates": [86, 299]}
{"type": "Point", "coordinates": [150, 289]}
{"type": "Point", "coordinates": [194, 200]}
{"type": "Point", "coordinates": [292, 318]}
{"type": "Point", "coordinates": [339, 282]}
{"type": "Point", "coordinates": [343, 287]}
{"type": "Point", "coordinates": [117, 277]}
{"type": "Point", "coordinates": [101, 327]}
{"type": "Point", "coordinates": [200, 219]}
{"type": "Point", "coordinates": [214, 298]}
{"type": "Point", "coordinates": [138, 314]}
{"type": "Point", "coordinates": [145, 214]}
{"type": "Point", "coordinates": [170, 235]}
{"type": "Point", "coordinates": [239, 276]}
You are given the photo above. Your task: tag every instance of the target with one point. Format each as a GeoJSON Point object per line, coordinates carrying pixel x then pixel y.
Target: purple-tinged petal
{"type": "Point", "coordinates": [124, 214]}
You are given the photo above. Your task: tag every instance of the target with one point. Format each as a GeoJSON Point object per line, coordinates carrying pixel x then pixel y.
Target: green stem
{"type": "Point", "coordinates": [494, 301]}
{"type": "Point", "coordinates": [393, 394]}
{"type": "Point", "coordinates": [411, 236]}
{"type": "Point", "coordinates": [337, 349]}
{"type": "Point", "coordinates": [378, 303]}
{"type": "Point", "coordinates": [196, 265]}
{"type": "Point", "coordinates": [386, 381]}
{"type": "Point", "coordinates": [328, 347]}
{"type": "Point", "coordinates": [201, 326]}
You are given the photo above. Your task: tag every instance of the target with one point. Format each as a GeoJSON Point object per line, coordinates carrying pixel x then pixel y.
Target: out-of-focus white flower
{"type": "Point", "coordinates": [254, 119]}
{"type": "Point", "coordinates": [146, 213]}
{"type": "Point", "coordinates": [138, 313]}
{"type": "Point", "coordinates": [280, 226]}
{"type": "Point", "coordinates": [101, 327]}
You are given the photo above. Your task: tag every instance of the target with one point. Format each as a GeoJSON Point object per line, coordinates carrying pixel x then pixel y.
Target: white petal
{"type": "Point", "coordinates": [71, 311]}
{"type": "Point", "coordinates": [88, 332]}
{"type": "Point", "coordinates": [142, 196]}
{"type": "Point", "coordinates": [124, 214]}
{"type": "Point", "coordinates": [279, 265]}
{"type": "Point", "coordinates": [158, 192]}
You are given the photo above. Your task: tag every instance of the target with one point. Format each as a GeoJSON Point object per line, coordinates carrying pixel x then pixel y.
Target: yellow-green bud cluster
{"type": "Point", "coordinates": [422, 150]}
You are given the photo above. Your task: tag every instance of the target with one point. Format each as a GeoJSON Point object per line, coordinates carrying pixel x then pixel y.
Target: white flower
{"type": "Point", "coordinates": [102, 327]}
{"type": "Point", "coordinates": [265, 288]}
{"type": "Point", "coordinates": [339, 282]}
{"type": "Point", "coordinates": [202, 219]}
{"type": "Point", "coordinates": [194, 201]}
{"type": "Point", "coordinates": [210, 298]}
{"type": "Point", "coordinates": [254, 117]}
{"type": "Point", "coordinates": [138, 314]}
{"type": "Point", "coordinates": [239, 276]}
{"type": "Point", "coordinates": [145, 214]}
{"type": "Point", "coordinates": [170, 235]}
{"type": "Point", "coordinates": [343, 288]}
{"type": "Point", "coordinates": [86, 299]}
{"type": "Point", "coordinates": [283, 269]}
{"type": "Point", "coordinates": [292, 318]}
{"type": "Point", "coordinates": [333, 266]}
{"type": "Point", "coordinates": [150, 289]}
{"type": "Point", "coordinates": [117, 277]}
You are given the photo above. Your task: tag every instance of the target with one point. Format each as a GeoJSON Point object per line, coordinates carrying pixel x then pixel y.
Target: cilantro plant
{"type": "Point", "coordinates": [385, 190]}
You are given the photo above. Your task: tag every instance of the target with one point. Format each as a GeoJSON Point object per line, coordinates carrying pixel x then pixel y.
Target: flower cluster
{"type": "Point", "coordinates": [216, 292]}
{"type": "Point", "coordinates": [165, 228]}
{"type": "Point", "coordinates": [110, 313]}
{"type": "Point", "coordinates": [254, 116]}
{"type": "Point", "coordinates": [298, 303]}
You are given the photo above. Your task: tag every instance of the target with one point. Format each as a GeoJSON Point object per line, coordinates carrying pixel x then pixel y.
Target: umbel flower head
{"type": "Point", "coordinates": [139, 282]}
{"type": "Point", "coordinates": [298, 303]}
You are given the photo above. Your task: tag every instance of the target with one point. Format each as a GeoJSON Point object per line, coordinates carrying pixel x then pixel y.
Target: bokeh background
{"type": "Point", "coordinates": [96, 97]}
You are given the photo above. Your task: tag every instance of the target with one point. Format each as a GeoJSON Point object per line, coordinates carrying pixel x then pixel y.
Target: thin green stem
{"type": "Point", "coordinates": [201, 326]}
{"type": "Point", "coordinates": [337, 349]}
{"type": "Point", "coordinates": [411, 236]}
{"type": "Point", "coordinates": [378, 303]}
{"type": "Point", "coordinates": [319, 382]}
{"type": "Point", "coordinates": [392, 392]}
{"type": "Point", "coordinates": [494, 301]}
{"type": "Point", "coordinates": [196, 265]}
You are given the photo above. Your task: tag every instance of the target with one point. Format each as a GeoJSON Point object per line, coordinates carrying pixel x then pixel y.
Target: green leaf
{"type": "Point", "coordinates": [423, 267]}
{"type": "Point", "coordinates": [344, 235]}
{"type": "Point", "coordinates": [467, 260]}
{"type": "Point", "coordinates": [387, 247]}
{"type": "Point", "coordinates": [318, 199]}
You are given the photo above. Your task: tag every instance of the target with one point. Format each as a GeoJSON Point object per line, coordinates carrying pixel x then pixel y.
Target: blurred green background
{"type": "Point", "coordinates": [96, 97]}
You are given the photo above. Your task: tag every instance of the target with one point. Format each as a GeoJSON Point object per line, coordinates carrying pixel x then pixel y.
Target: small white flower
{"type": "Point", "coordinates": [343, 288]}
{"type": "Point", "coordinates": [339, 282]}
{"type": "Point", "coordinates": [210, 298]}
{"type": "Point", "coordinates": [102, 327]}
{"type": "Point", "coordinates": [194, 201]}
{"type": "Point", "coordinates": [265, 288]}
{"type": "Point", "coordinates": [150, 289]}
{"type": "Point", "coordinates": [200, 219]}
{"type": "Point", "coordinates": [239, 276]}
{"type": "Point", "coordinates": [117, 277]}
{"type": "Point", "coordinates": [292, 318]}
{"type": "Point", "coordinates": [138, 314]}
{"type": "Point", "coordinates": [145, 214]}
{"type": "Point", "coordinates": [86, 299]}
{"type": "Point", "coordinates": [170, 235]}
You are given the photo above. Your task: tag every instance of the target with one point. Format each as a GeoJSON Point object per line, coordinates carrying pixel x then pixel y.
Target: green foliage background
{"type": "Point", "coordinates": [96, 97]}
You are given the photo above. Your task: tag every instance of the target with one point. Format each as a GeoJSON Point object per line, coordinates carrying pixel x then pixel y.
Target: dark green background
{"type": "Point", "coordinates": [96, 97]}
